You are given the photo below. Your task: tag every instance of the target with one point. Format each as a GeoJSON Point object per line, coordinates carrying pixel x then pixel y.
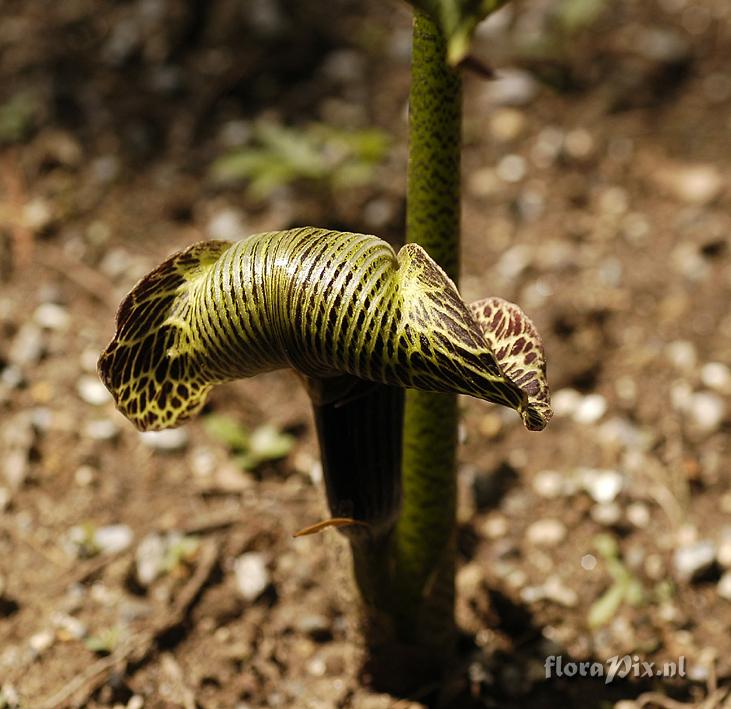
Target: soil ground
{"type": "Point", "coordinates": [596, 172]}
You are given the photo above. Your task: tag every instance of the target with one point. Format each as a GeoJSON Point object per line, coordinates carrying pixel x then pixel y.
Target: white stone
{"type": "Point", "coordinates": [252, 576]}
{"type": "Point", "coordinates": [548, 484]}
{"type": "Point", "coordinates": [693, 184]}
{"type": "Point", "coordinates": [514, 261]}
{"type": "Point", "coordinates": [70, 626]}
{"type": "Point", "coordinates": [495, 526]}
{"type": "Point", "coordinates": [590, 409]}
{"type": "Point", "coordinates": [92, 391]}
{"type": "Point", "coordinates": [724, 548]}
{"type": "Point", "coordinates": [724, 586]}
{"type": "Point", "coordinates": [706, 411]}
{"type": "Point", "coordinates": [565, 402]}
{"type": "Point", "coordinates": [512, 87]}
{"type": "Point", "coordinates": [682, 354]}
{"type": "Point", "coordinates": [52, 316]}
{"type": "Point", "coordinates": [606, 513]}
{"type": "Point", "coordinates": [84, 475]}
{"type": "Point", "coordinates": [511, 168]}
{"type": "Point", "coordinates": [41, 641]}
{"type": "Point", "coordinates": [558, 592]}
{"type": "Point", "coordinates": [100, 430]}
{"type": "Point", "coordinates": [113, 538]}
{"type": "Point", "coordinates": [638, 514]}
{"type": "Point", "coordinates": [691, 560]}
{"type": "Point", "coordinates": [226, 225]}
{"type": "Point", "coordinates": [579, 144]}
{"type": "Point", "coordinates": [27, 345]}
{"type": "Point", "coordinates": [506, 124]}
{"type": "Point", "coordinates": [546, 532]}
{"type": "Point", "coordinates": [168, 440]}
{"type": "Point", "coordinates": [149, 558]}
{"type": "Point", "coordinates": [716, 375]}
{"type": "Point", "coordinates": [602, 485]}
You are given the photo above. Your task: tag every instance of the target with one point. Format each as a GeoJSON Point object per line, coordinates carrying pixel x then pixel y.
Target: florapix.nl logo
{"type": "Point", "coordinates": [619, 666]}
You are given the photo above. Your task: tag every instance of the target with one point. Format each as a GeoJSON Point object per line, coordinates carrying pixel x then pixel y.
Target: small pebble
{"type": "Point", "coordinates": [548, 484]}
{"type": "Point", "coordinates": [724, 586]}
{"type": "Point", "coordinates": [170, 440]}
{"type": "Point", "coordinates": [226, 225]}
{"type": "Point", "coordinates": [638, 515]}
{"type": "Point", "coordinates": [724, 548]}
{"type": "Point", "coordinates": [602, 485]}
{"type": "Point", "coordinates": [552, 590]}
{"type": "Point", "coordinates": [113, 538]}
{"type": "Point", "coordinates": [100, 430]}
{"type": "Point", "coordinates": [565, 402]}
{"type": "Point", "coordinates": [692, 184]}
{"type": "Point", "coordinates": [252, 576]}
{"type": "Point", "coordinates": [149, 558]}
{"type": "Point", "coordinates": [606, 513]}
{"type": "Point", "coordinates": [315, 625]}
{"type": "Point", "coordinates": [41, 641]}
{"type": "Point", "coordinates": [506, 124]}
{"type": "Point", "coordinates": [579, 144]}
{"type": "Point", "coordinates": [706, 411]}
{"type": "Point", "coordinates": [691, 561]}
{"type": "Point", "coordinates": [546, 532]}
{"type": "Point", "coordinates": [88, 360]}
{"type": "Point", "coordinates": [514, 261]}
{"type": "Point", "coordinates": [15, 467]}
{"type": "Point", "coordinates": [512, 87]}
{"type": "Point", "coordinates": [716, 375]}
{"type": "Point", "coordinates": [52, 316]}
{"type": "Point", "coordinates": [84, 475]}
{"type": "Point", "coordinates": [495, 526]}
{"type": "Point", "coordinates": [511, 168]}
{"type": "Point", "coordinates": [92, 391]}
{"type": "Point", "coordinates": [682, 354]}
{"type": "Point", "coordinates": [27, 346]}
{"type": "Point", "coordinates": [70, 627]}
{"type": "Point", "coordinates": [590, 409]}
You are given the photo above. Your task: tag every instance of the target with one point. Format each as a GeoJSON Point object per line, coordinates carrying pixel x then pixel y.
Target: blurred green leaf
{"type": "Point", "coordinates": [226, 430]}
{"type": "Point", "coordinates": [604, 609]}
{"type": "Point", "coordinates": [106, 641]}
{"type": "Point", "coordinates": [575, 15]}
{"type": "Point", "coordinates": [17, 117]}
{"type": "Point", "coordinates": [251, 449]}
{"type": "Point", "coordinates": [278, 156]}
{"type": "Point", "coordinates": [625, 588]}
{"type": "Point", "coordinates": [457, 19]}
{"type": "Point", "coordinates": [266, 443]}
{"type": "Point", "coordinates": [179, 551]}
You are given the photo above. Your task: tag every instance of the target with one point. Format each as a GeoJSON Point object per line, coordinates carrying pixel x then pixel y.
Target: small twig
{"type": "Point", "coordinates": [90, 676]}
{"type": "Point", "coordinates": [175, 672]}
{"type": "Point", "coordinates": [22, 235]}
{"type": "Point", "coordinates": [139, 647]}
{"type": "Point", "coordinates": [87, 279]}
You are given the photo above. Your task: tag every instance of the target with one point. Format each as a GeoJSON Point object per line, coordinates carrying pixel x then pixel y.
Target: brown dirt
{"type": "Point", "coordinates": [590, 225]}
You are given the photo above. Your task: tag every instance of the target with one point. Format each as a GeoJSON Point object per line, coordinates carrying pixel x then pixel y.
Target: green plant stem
{"type": "Point", "coordinates": [424, 542]}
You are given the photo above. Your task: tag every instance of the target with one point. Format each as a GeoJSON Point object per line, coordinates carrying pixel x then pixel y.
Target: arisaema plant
{"type": "Point", "coordinates": [383, 343]}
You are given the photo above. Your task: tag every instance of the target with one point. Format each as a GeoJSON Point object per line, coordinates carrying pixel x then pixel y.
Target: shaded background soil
{"type": "Point", "coordinates": [157, 571]}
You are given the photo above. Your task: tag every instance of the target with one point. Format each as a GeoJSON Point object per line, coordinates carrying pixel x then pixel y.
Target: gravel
{"type": "Point", "coordinates": [602, 485]}
{"type": "Point", "coordinates": [170, 440]}
{"type": "Point", "coordinates": [251, 574]}
{"type": "Point", "coordinates": [546, 532]}
{"type": "Point", "coordinates": [692, 560]}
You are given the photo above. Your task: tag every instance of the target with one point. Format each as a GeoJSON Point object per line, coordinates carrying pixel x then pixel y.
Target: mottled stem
{"type": "Point", "coordinates": [425, 533]}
